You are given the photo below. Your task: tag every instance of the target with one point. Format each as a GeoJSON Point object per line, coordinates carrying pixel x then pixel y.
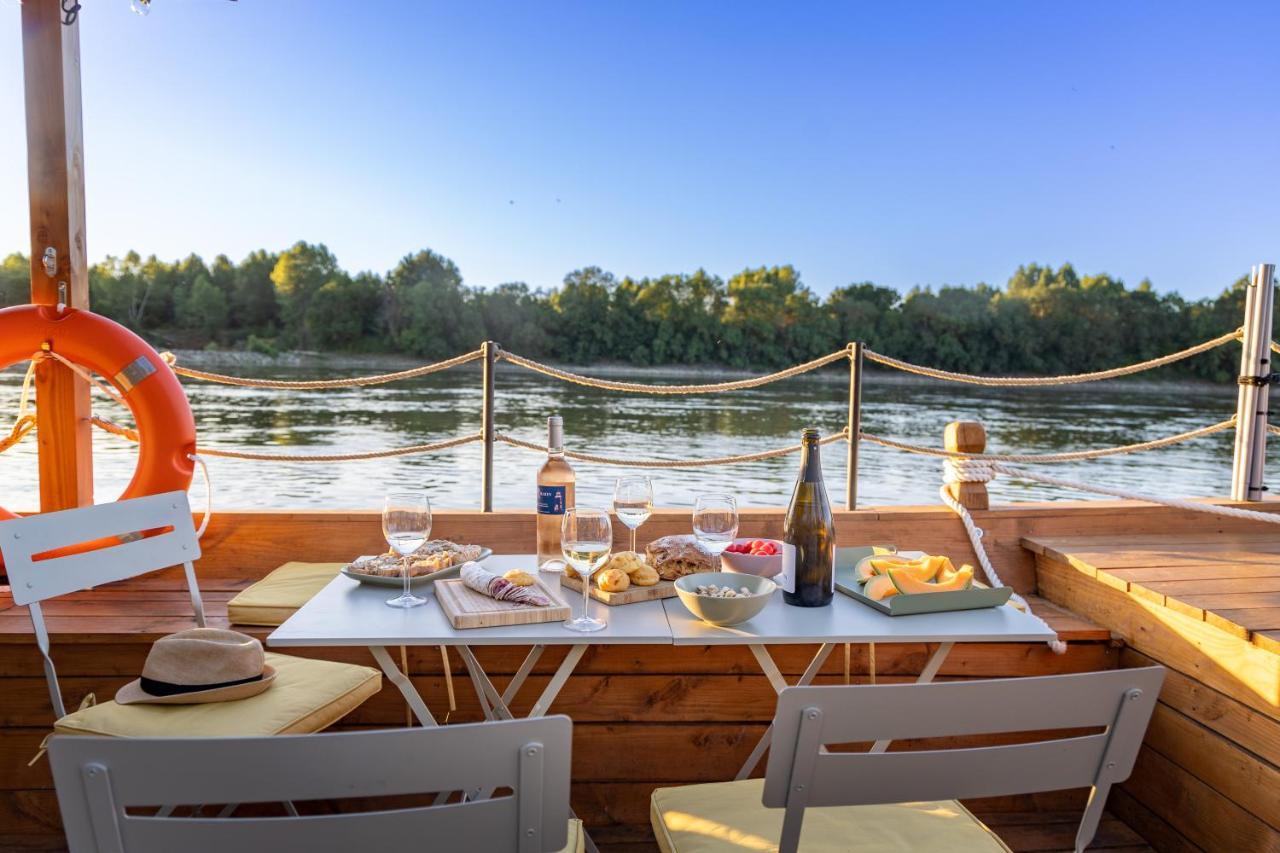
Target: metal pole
{"type": "Point", "coordinates": [1254, 396]}
{"type": "Point", "coordinates": [855, 425]}
{"type": "Point", "coordinates": [490, 352]}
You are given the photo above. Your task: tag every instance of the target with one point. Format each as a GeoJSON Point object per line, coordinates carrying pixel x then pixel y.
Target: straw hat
{"type": "Point", "coordinates": [200, 665]}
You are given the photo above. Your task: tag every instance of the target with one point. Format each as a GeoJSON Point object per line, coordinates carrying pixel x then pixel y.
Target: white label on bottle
{"type": "Point", "coordinates": [787, 577]}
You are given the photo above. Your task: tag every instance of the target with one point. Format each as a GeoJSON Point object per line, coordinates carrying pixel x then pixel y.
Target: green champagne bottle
{"type": "Point", "coordinates": [810, 532]}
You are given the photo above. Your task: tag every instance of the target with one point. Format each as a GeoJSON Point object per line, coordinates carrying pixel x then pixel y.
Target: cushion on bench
{"type": "Point", "coordinates": [727, 817]}
{"type": "Point", "coordinates": [275, 598]}
{"type": "Point", "coordinates": [307, 696]}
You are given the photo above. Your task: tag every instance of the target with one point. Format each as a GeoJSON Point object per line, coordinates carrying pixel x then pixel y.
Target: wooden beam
{"type": "Point", "coordinates": [55, 178]}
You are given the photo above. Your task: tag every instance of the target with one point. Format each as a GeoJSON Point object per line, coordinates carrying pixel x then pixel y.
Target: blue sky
{"type": "Point", "coordinates": [921, 143]}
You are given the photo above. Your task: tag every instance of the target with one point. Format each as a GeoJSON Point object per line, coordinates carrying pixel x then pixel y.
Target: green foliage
{"type": "Point", "coordinates": [1042, 321]}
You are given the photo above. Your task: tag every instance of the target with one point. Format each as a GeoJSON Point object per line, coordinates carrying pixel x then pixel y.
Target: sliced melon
{"type": "Point", "coordinates": [904, 582]}
{"type": "Point", "coordinates": [879, 588]}
{"type": "Point", "coordinates": [878, 565]}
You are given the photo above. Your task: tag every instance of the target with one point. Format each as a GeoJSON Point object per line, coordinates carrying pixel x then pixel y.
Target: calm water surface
{"type": "Point", "coordinates": [448, 404]}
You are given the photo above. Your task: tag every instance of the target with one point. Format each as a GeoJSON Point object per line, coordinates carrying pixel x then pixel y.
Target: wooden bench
{"type": "Point", "coordinates": [1206, 604]}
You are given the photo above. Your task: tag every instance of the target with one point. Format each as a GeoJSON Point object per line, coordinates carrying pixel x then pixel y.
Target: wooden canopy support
{"type": "Point", "coordinates": [59, 260]}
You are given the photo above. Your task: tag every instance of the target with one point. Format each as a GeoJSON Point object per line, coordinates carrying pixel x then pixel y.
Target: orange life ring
{"type": "Point", "coordinates": [166, 428]}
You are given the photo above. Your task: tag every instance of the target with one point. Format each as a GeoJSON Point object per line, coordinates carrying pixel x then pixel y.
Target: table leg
{"type": "Point", "coordinates": [926, 675]}
{"type": "Point", "coordinates": [501, 708]}
{"type": "Point", "coordinates": [779, 684]}
{"type": "Point", "coordinates": [401, 681]}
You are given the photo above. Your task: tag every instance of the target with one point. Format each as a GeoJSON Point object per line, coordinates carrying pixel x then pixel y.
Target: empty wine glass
{"type": "Point", "coordinates": [406, 524]}
{"type": "Point", "coordinates": [633, 502]}
{"type": "Point", "coordinates": [715, 521]}
{"type": "Point", "coordinates": [586, 539]}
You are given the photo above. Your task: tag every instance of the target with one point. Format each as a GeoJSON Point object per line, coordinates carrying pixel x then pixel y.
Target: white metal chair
{"type": "Point", "coordinates": [100, 780]}
{"type": "Point", "coordinates": [307, 696]}
{"type": "Point", "coordinates": [844, 789]}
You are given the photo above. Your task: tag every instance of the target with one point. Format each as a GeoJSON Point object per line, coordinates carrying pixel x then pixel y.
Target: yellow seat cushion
{"type": "Point", "coordinates": [307, 696]}
{"type": "Point", "coordinates": [727, 817]}
{"type": "Point", "coordinates": [275, 598]}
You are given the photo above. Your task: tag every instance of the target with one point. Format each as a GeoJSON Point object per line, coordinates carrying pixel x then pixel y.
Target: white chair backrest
{"type": "Point", "coordinates": [123, 554]}
{"type": "Point", "coordinates": [117, 550]}
{"type": "Point", "coordinates": [800, 773]}
{"type": "Point", "coordinates": [100, 780]}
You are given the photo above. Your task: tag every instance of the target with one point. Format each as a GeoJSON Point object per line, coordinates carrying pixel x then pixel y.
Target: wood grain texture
{"type": "Point", "coordinates": [467, 608]}
{"type": "Point", "coordinates": [630, 595]}
{"type": "Point", "coordinates": [55, 183]}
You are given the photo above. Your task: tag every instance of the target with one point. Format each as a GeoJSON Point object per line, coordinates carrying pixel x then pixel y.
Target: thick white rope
{"type": "Point", "coordinates": [208, 493]}
{"type": "Point", "coordinates": [1065, 379]}
{"type": "Point", "coordinates": [982, 471]}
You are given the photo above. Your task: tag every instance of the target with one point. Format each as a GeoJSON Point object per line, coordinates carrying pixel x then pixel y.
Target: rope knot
{"type": "Point", "coordinates": [960, 469]}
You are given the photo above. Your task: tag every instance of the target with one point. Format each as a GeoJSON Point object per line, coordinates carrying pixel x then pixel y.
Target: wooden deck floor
{"type": "Point", "coordinates": [1206, 605]}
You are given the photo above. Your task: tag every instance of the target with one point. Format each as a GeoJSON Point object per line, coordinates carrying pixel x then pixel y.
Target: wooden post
{"type": "Point", "coordinates": [490, 351]}
{"type": "Point", "coordinates": [1253, 400]}
{"type": "Point", "coordinates": [855, 425]}
{"type": "Point", "coordinates": [967, 437]}
{"type": "Point", "coordinates": [55, 179]}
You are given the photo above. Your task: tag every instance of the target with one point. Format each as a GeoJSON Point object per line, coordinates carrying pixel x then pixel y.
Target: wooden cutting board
{"type": "Point", "coordinates": [467, 608]}
{"type": "Point", "coordinates": [630, 595]}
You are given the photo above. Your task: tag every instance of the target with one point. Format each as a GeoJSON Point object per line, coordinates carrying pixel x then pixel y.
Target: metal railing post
{"type": "Point", "coordinates": [1253, 401]}
{"type": "Point", "coordinates": [489, 349]}
{"type": "Point", "coordinates": [855, 425]}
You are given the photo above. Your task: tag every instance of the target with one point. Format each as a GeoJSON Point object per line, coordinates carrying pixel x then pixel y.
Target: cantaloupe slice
{"type": "Point", "coordinates": [879, 588]}
{"type": "Point", "coordinates": [904, 582]}
{"type": "Point", "coordinates": [878, 565]}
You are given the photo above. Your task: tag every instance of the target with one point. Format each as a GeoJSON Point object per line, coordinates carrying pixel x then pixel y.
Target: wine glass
{"type": "Point", "coordinates": [586, 538]}
{"type": "Point", "coordinates": [633, 502]}
{"type": "Point", "coordinates": [406, 524]}
{"type": "Point", "coordinates": [715, 521]}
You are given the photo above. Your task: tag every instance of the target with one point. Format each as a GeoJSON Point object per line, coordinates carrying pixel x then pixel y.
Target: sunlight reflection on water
{"type": "Point", "coordinates": [1019, 420]}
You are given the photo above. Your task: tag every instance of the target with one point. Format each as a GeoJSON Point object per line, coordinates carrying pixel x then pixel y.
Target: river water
{"type": "Point", "coordinates": [1019, 420]}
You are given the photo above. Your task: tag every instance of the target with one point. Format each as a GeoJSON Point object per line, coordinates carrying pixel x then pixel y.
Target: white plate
{"type": "Point", "coordinates": [419, 581]}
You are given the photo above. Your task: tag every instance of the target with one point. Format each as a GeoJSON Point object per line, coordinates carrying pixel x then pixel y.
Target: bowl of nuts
{"type": "Point", "coordinates": [722, 598]}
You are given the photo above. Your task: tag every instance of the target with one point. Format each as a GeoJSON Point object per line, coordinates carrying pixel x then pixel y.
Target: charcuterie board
{"type": "Point", "coordinates": [467, 608]}
{"type": "Point", "coordinates": [630, 595]}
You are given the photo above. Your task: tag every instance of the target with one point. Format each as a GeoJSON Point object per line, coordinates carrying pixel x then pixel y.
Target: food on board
{"type": "Point", "coordinates": [499, 589]}
{"type": "Point", "coordinates": [520, 577]}
{"type": "Point", "coordinates": [677, 556]}
{"type": "Point", "coordinates": [613, 580]}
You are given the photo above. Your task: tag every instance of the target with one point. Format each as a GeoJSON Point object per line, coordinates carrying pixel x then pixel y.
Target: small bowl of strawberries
{"type": "Point", "coordinates": [760, 557]}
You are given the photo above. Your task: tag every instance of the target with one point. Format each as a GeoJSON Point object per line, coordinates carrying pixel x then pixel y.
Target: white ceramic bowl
{"type": "Point", "coordinates": [753, 564]}
{"type": "Point", "coordinates": [724, 611]}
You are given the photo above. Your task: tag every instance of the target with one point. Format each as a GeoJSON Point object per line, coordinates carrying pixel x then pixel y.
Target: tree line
{"type": "Point", "coordinates": [1043, 320]}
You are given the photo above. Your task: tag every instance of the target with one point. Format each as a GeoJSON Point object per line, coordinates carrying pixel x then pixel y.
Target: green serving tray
{"type": "Point", "coordinates": [976, 598]}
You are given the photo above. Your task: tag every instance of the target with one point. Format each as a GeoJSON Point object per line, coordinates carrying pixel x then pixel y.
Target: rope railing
{"type": "Point", "coordinates": [667, 463]}
{"type": "Point", "coordinates": [320, 384]}
{"type": "Point", "coordinates": [1046, 458]}
{"type": "Point", "coordinates": [645, 388]}
{"type": "Point", "coordinates": [1064, 379]}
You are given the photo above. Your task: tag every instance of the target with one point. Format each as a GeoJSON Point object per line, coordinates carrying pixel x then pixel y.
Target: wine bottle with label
{"type": "Point", "coordinates": [555, 495]}
{"type": "Point", "coordinates": [809, 533]}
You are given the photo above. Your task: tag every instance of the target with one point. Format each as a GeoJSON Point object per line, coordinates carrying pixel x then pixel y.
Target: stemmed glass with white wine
{"type": "Point", "coordinates": [586, 539]}
{"type": "Point", "coordinates": [406, 524]}
{"type": "Point", "coordinates": [715, 521]}
{"type": "Point", "coordinates": [633, 502]}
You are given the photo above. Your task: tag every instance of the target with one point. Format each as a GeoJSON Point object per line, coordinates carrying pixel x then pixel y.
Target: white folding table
{"type": "Point", "coordinates": [348, 613]}
{"type": "Point", "coordinates": [850, 621]}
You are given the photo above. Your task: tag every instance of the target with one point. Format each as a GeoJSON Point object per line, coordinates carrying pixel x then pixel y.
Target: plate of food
{"type": "Point", "coordinates": [629, 577]}
{"type": "Point", "coordinates": [901, 584]}
{"type": "Point", "coordinates": [436, 559]}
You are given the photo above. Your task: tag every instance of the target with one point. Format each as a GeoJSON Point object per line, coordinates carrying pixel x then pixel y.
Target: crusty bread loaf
{"type": "Point", "coordinates": [676, 556]}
